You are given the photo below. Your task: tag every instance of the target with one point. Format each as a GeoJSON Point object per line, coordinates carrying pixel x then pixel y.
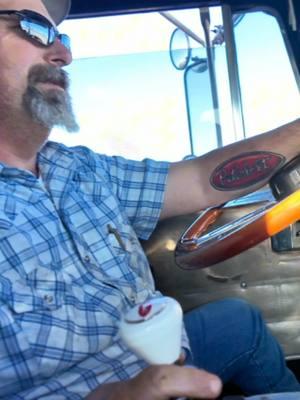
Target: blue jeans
{"type": "Point", "coordinates": [230, 339]}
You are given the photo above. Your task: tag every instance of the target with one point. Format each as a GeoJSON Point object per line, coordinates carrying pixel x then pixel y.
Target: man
{"type": "Point", "coordinates": [70, 259]}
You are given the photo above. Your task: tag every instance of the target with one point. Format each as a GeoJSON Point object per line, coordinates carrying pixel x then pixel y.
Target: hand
{"type": "Point", "coordinates": [164, 382]}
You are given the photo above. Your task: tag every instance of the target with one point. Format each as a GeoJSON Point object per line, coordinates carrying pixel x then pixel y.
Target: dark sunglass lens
{"type": "Point", "coordinates": [37, 31]}
{"type": "Point", "coordinates": [65, 40]}
{"type": "Point", "coordinates": [38, 28]}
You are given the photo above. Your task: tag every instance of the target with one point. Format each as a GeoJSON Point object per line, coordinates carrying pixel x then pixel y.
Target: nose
{"type": "Point", "coordinates": [57, 54]}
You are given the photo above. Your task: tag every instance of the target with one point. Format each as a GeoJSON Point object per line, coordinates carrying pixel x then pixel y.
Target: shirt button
{"type": "Point", "coordinates": [87, 258]}
{"type": "Point", "coordinates": [133, 298]}
{"type": "Point", "coordinates": [48, 299]}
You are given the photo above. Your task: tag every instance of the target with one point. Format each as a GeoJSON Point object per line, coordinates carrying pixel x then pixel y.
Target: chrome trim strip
{"type": "Point", "coordinates": [233, 73]}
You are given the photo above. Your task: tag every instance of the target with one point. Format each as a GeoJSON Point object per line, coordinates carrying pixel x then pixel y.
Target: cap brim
{"type": "Point", "coordinates": [58, 9]}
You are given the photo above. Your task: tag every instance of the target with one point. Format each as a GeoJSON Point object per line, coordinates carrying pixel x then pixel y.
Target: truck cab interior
{"type": "Point", "coordinates": [174, 79]}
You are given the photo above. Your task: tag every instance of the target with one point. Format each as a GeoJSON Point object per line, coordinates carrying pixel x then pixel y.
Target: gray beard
{"type": "Point", "coordinates": [50, 107]}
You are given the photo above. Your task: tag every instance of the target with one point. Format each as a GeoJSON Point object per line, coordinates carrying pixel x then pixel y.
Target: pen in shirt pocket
{"type": "Point", "coordinates": [113, 231]}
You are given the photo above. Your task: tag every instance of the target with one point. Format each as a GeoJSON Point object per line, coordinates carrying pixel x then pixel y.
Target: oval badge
{"type": "Point", "coordinates": [245, 170]}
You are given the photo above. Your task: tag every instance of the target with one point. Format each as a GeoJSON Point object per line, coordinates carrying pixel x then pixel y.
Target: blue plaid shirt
{"type": "Point", "coordinates": [66, 276]}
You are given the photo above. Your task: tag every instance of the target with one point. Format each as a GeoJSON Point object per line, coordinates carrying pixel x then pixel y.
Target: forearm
{"type": "Point", "coordinates": [229, 172]}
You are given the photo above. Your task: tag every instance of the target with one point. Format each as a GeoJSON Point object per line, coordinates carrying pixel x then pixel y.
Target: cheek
{"type": "Point", "coordinates": [13, 83]}
{"type": "Point", "coordinates": [17, 57]}
{"type": "Point", "coordinates": [15, 70]}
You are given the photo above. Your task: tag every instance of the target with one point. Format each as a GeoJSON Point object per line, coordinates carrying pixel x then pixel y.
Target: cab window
{"type": "Point", "coordinates": [178, 84]}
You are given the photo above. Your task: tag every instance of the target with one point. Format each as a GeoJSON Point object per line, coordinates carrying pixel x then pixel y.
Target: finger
{"type": "Point", "coordinates": [192, 382]}
{"type": "Point", "coordinates": [181, 358]}
{"type": "Point", "coordinates": [174, 381]}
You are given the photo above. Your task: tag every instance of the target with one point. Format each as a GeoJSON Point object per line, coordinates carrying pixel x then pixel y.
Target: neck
{"type": "Point", "coordinates": [16, 159]}
{"type": "Point", "coordinates": [19, 146]}
{"type": "Point", "coordinates": [21, 137]}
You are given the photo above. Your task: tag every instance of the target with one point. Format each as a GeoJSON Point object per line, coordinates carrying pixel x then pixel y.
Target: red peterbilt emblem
{"type": "Point", "coordinates": [245, 170]}
{"type": "Point", "coordinates": [145, 310]}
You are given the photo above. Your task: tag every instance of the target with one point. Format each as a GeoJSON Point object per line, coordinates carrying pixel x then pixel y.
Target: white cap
{"type": "Point", "coordinates": [58, 9]}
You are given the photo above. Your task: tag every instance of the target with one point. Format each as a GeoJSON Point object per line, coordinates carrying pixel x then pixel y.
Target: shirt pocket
{"type": "Point", "coordinates": [122, 238]}
{"type": "Point", "coordinates": [36, 307]}
{"type": "Point", "coordinates": [126, 247]}
{"type": "Point", "coordinates": [41, 290]}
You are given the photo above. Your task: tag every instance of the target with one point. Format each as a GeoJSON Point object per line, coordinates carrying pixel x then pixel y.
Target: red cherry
{"type": "Point", "coordinates": [144, 311]}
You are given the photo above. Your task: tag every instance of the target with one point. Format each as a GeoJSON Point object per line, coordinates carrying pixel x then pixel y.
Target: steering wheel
{"type": "Point", "coordinates": [197, 249]}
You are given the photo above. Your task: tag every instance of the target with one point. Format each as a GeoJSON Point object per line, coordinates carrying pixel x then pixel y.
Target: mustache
{"type": "Point", "coordinates": [48, 74]}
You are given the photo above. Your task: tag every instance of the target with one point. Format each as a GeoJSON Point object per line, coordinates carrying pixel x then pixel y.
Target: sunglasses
{"type": "Point", "coordinates": [38, 28]}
